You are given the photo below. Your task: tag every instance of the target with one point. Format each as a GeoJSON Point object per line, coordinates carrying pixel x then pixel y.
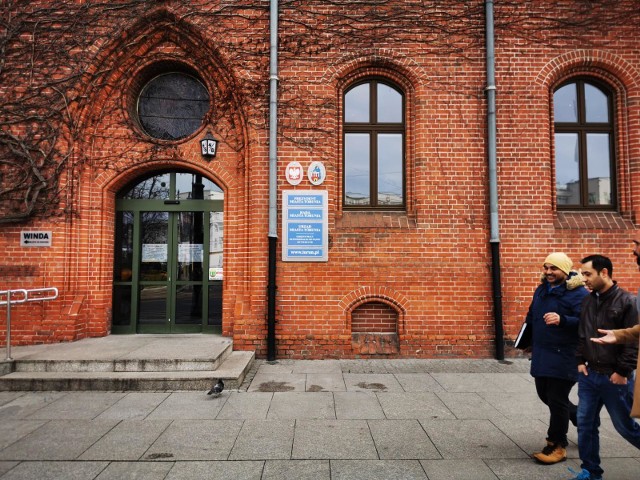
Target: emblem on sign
{"type": "Point", "coordinates": [316, 173]}
{"type": "Point", "coordinates": [294, 173]}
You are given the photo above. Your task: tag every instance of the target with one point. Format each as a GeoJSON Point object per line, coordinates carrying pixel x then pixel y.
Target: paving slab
{"type": "Point", "coordinates": [80, 406]}
{"type": "Point", "coordinates": [317, 366]}
{"type": "Point", "coordinates": [129, 440]}
{"type": "Point", "coordinates": [510, 382]}
{"type": "Point", "coordinates": [134, 406]}
{"type": "Point", "coordinates": [418, 382]}
{"type": "Point", "coordinates": [297, 470]}
{"type": "Point", "coordinates": [6, 466]}
{"type": "Point", "coordinates": [325, 382]}
{"type": "Point", "coordinates": [529, 433]}
{"type": "Point", "coordinates": [7, 397]}
{"type": "Point", "coordinates": [513, 469]}
{"type": "Point", "coordinates": [377, 470]}
{"type": "Point", "coordinates": [26, 404]}
{"type": "Point", "coordinates": [55, 470]}
{"type": "Point", "coordinates": [357, 406]}
{"type": "Point", "coordinates": [470, 439]}
{"type": "Point", "coordinates": [216, 471]}
{"type": "Point", "coordinates": [264, 440]}
{"type": "Point", "coordinates": [58, 440]}
{"type": "Point", "coordinates": [189, 406]}
{"type": "Point", "coordinates": [137, 471]}
{"type": "Point", "coordinates": [413, 405]}
{"type": "Point", "coordinates": [467, 382]}
{"type": "Point", "coordinates": [306, 405]}
{"type": "Point", "coordinates": [468, 405]}
{"type": "Point", "coordinates": [333, 439]}
{"type": "Point", "coordinates": [278, 382]}
{"type": "Point", "coordinates": [517, 404]}
{"type": "Point", "coordinates": [401, 439]}
{"type": "Point", "coordinates": [482, 418]}
{"type": "Point", "coordinates": [12, 430]}
{"type": "Point", "coordinates": [195, 440]}
{"type": "Point", "coordinates": [371, 382]}
{"type": "Point", "coordinates": [459, 469]}
{"type": "Point", "coordinates": [246, 405]}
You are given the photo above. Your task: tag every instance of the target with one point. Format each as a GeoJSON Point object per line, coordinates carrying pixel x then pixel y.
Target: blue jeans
{"type": "Point", "coordinates": [594, 391]}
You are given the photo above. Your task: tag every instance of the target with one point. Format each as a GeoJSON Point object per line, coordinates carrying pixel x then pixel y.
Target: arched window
{"type": "Point", "coordinates": [584, 145]}
{"type": "Point", "coordinates": [374, 146]}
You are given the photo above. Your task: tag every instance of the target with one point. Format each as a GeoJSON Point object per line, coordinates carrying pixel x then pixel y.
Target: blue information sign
{"type": "Point", "coordinates": [304, 226]}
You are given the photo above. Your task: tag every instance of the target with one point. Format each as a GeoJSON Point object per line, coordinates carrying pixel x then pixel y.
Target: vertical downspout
{"type": "Point", "coordinates": [493, 183]}
{"type": "Point", "coordinates": [273, 179]}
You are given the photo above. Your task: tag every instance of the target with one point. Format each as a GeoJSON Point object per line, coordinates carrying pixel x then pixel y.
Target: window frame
{"type": "Point", "coordinates": [145, 79]}
{"type": "Point", "coordinates": [374, 128]}
{"type": "Point", "coordinates": [583, 129]}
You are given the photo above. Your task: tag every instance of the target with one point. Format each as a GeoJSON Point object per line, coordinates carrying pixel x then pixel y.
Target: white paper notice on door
{"type": "Point", "coordinates": [190, 253]}
{"type": "Point", "coordinates": [154, 252]}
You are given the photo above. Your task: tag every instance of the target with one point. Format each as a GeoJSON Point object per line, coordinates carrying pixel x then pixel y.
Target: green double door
{"type": "Point", "coordinates": [163, 278]}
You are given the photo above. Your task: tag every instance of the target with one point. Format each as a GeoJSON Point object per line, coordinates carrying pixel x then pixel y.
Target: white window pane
{"type": "Point", "coordinates": [599, 169]}
{"type": "Point", "coordinates": [390, 169]}
{"type": "Point", "coordinates": [357, 169]}
{"type": "Point", "coordinates": [389, 105]}
{"type": "Point", "coordinates": [356, 104]}
{"type": "Point", "coordinates": [567, 169]}
{"type": "Point", "coordinates": [565, 104]}
{"type": "Point", "coordinates": [596, 105]}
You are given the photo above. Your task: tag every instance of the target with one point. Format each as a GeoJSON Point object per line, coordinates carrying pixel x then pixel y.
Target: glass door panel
{"type": "Point", "coordinates": [154, 273]}
{"type": "Point", "coordinates": [189, 275]}
{"type": "Point", "coordinates": [123, 272]}
{"type": "Point", "coordinates": [168, 249]}
{"type": "Point", "coordinates": [152, 307]}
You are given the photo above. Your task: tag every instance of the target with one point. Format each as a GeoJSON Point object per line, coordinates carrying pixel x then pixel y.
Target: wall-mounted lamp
{"type": "Point", "coordinates": [209, 145]}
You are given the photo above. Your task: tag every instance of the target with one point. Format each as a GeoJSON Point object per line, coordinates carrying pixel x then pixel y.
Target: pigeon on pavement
{"type": "Point", "coordinates": [217, 388]}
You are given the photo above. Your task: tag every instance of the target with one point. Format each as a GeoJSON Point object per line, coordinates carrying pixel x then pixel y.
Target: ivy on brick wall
{"type": "Point", "coordinates": [57, 56]}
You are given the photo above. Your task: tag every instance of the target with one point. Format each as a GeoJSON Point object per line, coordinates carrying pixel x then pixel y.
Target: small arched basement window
{"type": "Point", "coordinates": [374, 329]}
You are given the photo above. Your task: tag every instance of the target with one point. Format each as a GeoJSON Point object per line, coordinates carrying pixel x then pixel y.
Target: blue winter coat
{"type": "Point", "coordinates": [554, 346]}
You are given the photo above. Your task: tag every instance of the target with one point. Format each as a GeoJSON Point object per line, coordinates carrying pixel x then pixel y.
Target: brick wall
{"type": "Point", "coordinates": [428, 265]}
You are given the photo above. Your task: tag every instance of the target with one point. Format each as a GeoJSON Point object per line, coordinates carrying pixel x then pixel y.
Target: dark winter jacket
{"type": "Point", "coordinates": [554, 346]}
{"type": "Point", "coordinates": [614, 309]}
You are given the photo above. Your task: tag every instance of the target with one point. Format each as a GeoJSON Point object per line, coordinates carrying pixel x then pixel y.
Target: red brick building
{"type": "Point", "coordinates": [386, 237]}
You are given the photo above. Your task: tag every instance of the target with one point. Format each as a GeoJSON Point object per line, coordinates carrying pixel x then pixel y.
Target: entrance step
{"type": "Point", "coordinates": [156, 365]}
{"type": "Point", "coordinates": [232, 371]}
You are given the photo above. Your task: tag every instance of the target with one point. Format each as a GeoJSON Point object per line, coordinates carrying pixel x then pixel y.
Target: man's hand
{"type": "Point", "coordinates": [618, 379]}
{"type": "Point", "coordinates": [582, 368]}
{"type": "Point", "coordinates": [551, 318]}
{"type": "Point", "coordinates": [609, 337]}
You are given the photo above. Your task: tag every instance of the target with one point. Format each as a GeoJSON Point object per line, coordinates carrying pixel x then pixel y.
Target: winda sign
{"type": "Point", "coordinates": [35, 238]}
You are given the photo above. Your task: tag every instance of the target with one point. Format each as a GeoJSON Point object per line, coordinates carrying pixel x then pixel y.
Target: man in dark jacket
{"type": "Point", "coordinates": [553, 316]}
{"type": "Point", "coordinates": [605, 371]}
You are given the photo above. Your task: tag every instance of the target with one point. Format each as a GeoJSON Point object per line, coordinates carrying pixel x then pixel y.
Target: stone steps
{"type": "Point", "coordinates": [137, 374]}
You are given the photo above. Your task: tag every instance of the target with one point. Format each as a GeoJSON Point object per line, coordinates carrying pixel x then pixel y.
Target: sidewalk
{"type": "Point", "coordinates": [331, 419]}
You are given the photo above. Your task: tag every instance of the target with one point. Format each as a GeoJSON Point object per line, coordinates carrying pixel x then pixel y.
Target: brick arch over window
{"type": "Point", "coordinates": [622, 79]}
{"type": "Point", "coordinates": [377, 68]}
{"type": "Point", "coordinates": [585, 61]}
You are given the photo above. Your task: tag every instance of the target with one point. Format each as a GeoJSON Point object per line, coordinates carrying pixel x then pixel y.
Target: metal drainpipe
{"type": "Point", "coordinates": [273, 179]}
{"type": "Point", "coordinates": [493, 183]}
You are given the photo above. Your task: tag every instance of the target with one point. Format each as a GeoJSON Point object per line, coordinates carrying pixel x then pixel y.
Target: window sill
{"type": "Point", "coordinates": [592, 220]}
{"type": "Point", "coordinates": [387, 220]}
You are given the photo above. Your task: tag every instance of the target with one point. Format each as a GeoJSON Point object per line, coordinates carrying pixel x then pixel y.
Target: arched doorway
{"type": "Point", "coordinates": [167, 275]}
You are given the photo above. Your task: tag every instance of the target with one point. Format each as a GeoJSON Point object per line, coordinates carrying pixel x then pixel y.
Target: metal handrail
{"type": "Point", "coordinates": [33, 295]}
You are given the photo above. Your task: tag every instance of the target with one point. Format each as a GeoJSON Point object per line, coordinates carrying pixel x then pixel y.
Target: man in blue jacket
{"type": "Point", "coordinates": [554, 315]}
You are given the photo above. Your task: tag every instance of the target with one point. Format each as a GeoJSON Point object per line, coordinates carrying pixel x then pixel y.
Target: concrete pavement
{"type": "Point", "coordinates": [330, 419]}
